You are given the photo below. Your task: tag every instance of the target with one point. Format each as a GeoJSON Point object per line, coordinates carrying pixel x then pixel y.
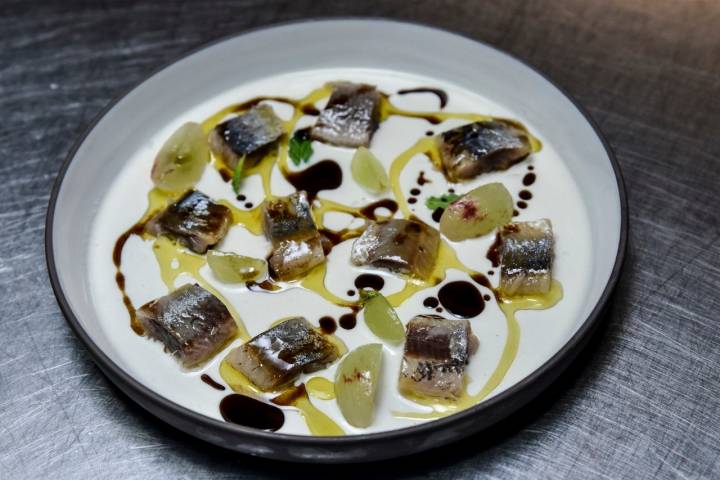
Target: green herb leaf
{"type": "Point", "coordinates": [443, 201]}
{"type": "Point", "coordinates": [238, 175]}
{"type": "Point", "coordinates": [300, 147]}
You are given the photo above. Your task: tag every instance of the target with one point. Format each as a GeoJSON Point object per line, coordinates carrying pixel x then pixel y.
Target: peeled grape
{"type": "Point", "coordinates": [478, 212]}
{"type": "Point", "coordinates": [368, 172]}
{"type": "Point", "coordinates": [180, 162]}
{"type": "Point", "coordinates": [233, 268]}
{"type": "Point", "coordinates": [356, 381]}
{"type": "Point", "coordinates": [380, 317]}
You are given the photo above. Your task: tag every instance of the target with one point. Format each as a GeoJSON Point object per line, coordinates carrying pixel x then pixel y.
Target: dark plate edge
{"type": "Point", "coordinates": [521, 393]}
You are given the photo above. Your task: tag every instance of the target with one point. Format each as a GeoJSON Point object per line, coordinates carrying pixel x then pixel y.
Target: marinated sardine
{"type": "Point", "coordinates": [195, 221]}
{"type": "Point", "coordinates": [402, 246]}
{"type": "Point", "coordinates": [482, 147]}
{"type": "Point", "coordinates": [437, 351]}
{"type": "Point", "coordinates": [278, 356]}
{"type": "Point", "coordinates": [191, 322]}
{"type": "Point", "coordinates": [351, 116]}
{"type": "Point", "coordinates": [289, 225]}
{"type": "Point", "coordinates": [526, 255]}
{"type": "Point", "coordinates": [246, 135]}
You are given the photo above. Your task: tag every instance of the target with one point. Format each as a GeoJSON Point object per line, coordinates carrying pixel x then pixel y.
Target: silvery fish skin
{"type": "Point", "coordinates": [482, 147]}
{"type": "Point", "coordinates": [402, 246]}
{"type": "Point", "coordinates": [276, 357]}
{"type": "Point", "coordinates": [437, 351]}
{"type": "Point", "coordinates": [526, 255]}
{"type": "Point", "coordinates": [191, 322]}
{"type": "Point", "coordinates": [297, 247]}
{"type": "Point", "coordinates": [195, 221]}
{"type": "Point", "coordinates": [351, 116]}
{"type": "Point", "coordinates": [246, 134]}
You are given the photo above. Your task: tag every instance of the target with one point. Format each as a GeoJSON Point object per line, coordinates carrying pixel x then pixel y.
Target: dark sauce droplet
{"type": "Point", "coordinates": [350, 293]}
{"type": "Point", "coordinates": [324, 175]}
{"type": "Point", "coordinates": [441, 94]}
{"type": "Point", "coordinates": [531, 168]}
{"type": "Point", "coordinates": [310, 110]}
{"type": "Point", "coordinates": [525, 194]}
{"type": "Point", "coordinates": [529, 179]}
{"type": "Point", "coordinates": [348, 321]}
{"type": "Point", "coordinates": [515, 213]}
{"type": "Point", "coordinates": [462, 299]}
{"type": "Point", "coordinates": [481, 279]}
{"type": "Point", "coordinates": [493, 253]}
{"type": "Point", "coordinates": [225, 174]}
{"type": "Point", "coordinates": [248, 205]}
{"type": "Point", "coordinates": [522, 204]}
{"type": "Point", "coordinates": [415, 191]}
{"type": "Point", "coordinates": [437, 213]}
{"type": "Point", "coordinates": [368, 211]}
{"type": "Point", "coordinates": [451, 190]}
{"type": "Point", "coordinates": [491, 272]}
{"type": "Point", "coordinates": [241, 198]}
{"type": "Point", "coordinates": [208, 379]}
{"type": "Point", "coordinates": [429, 133]}
{"type": "Point", "coordinates": [328, 325]}
{"type": "Point", "coordinates": [369, 280]}
{"type": "Point", "coordinates": [439, 310]}
{"type": "Point", "coordinates": [421, 179]}
{"type": "Point", "coordinates": [431, 302]}
{"type": "Point", "coordinates": [252, 413]}
{"type": "Point", "coordinates": [412, 200]}
{"type": "Point", "coordinates": [486, 297]}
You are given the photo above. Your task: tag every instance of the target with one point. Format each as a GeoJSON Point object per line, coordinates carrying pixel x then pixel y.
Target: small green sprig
{"type": "Point", "coordinates": [443, 201]}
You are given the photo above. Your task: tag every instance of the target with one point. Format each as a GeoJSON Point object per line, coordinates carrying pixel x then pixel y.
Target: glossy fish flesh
{"type": "Point", "coordinates": [246, 134]}
{"type": "Point", "coordinates": [195, 221]}
{"type": "Point", "coordinates": [351, 116]}
{"type": "Point", "coordinates": [276, 357]}
{"type": "Point", "coordinates": [526, 255]}
{"type": "Point", "coordinates": [437, 351]}
{"type": "Point", "coordinates": [401, 246]}
{"type": "Point", "coordinates": [297, 246]}
{"type": "Point", "coordinates": [482, 147]}
{"type": "Point", "coordinates": [191, 322]}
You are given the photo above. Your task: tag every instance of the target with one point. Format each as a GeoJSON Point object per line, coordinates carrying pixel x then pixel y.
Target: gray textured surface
{"type": "Point", "coordinates": [642, 402]}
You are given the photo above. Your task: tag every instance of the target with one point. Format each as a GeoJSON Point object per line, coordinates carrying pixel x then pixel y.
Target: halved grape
{"type": "Point", "coordinates": [368, 172]}
{"type": "Point", "coordinates": [180, 162]}
{"type": "Point", "coordinates": [233, 268]}
{"type": "Point", "coordinates": [478, 212]}
{"type": "Point", "coordinates": [380, 317]}
{"type": "Point", "coordinates": [356, 382]}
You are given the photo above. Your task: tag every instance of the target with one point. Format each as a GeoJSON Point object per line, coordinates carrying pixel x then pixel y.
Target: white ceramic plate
{"type": "Point", "coordinates": [102, 191]}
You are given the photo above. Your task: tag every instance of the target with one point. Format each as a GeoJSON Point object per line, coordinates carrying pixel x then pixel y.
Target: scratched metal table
{"type": "Point", "coordinates": [643, 401]}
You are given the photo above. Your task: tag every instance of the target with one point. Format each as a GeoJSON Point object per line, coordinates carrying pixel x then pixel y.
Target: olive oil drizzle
{"type": "Point", "coordinates": [173, 260]}
{"type": "Point", "coordinates": [320, 388]}
{"type": "Point", "coordinates": [509, 306]}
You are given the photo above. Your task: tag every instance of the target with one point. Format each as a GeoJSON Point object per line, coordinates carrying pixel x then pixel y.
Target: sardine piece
{"type": "Point", "coordinates": [526, 255]}
{"type": "Point", "coordinates": [191, 322]}
{"type": "Point", "coordinates": [297, 246]}
{"type": "Point", "coordinates": [437, 351]}
{"type": "Point", "coordinates": [291, 259]}
{"type": "Point", "coordinates": [482, 147]}
{"type": "Point", "coordinates": [246, 134]}
{"type": "Point", "coordinates": [350, 117]}
{"type": "Point", "coordinates": [278, 356]}
{"type": "Point", "coordinates": [290, 217]}
{"type": "Point", "coordinates": [195, 221]}
{"type": "Point", "coordinates": [402, 246]}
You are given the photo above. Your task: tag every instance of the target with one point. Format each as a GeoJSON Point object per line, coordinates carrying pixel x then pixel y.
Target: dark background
{"type": "Point", "coordinates": [641, 402]}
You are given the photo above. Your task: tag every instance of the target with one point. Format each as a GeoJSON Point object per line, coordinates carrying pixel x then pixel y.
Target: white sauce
{"type": "Point", "coordinates": [555, 196]}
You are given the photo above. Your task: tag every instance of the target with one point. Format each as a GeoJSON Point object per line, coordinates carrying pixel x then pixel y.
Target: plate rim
{"type": "Point", "coordinates": [124, 380]}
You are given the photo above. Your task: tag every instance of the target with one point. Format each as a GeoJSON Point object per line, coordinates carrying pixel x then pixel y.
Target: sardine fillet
{"type": "Point", "coordinates": [526, 256]}
{"type": "Point", "coordinates": [191, 322]}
